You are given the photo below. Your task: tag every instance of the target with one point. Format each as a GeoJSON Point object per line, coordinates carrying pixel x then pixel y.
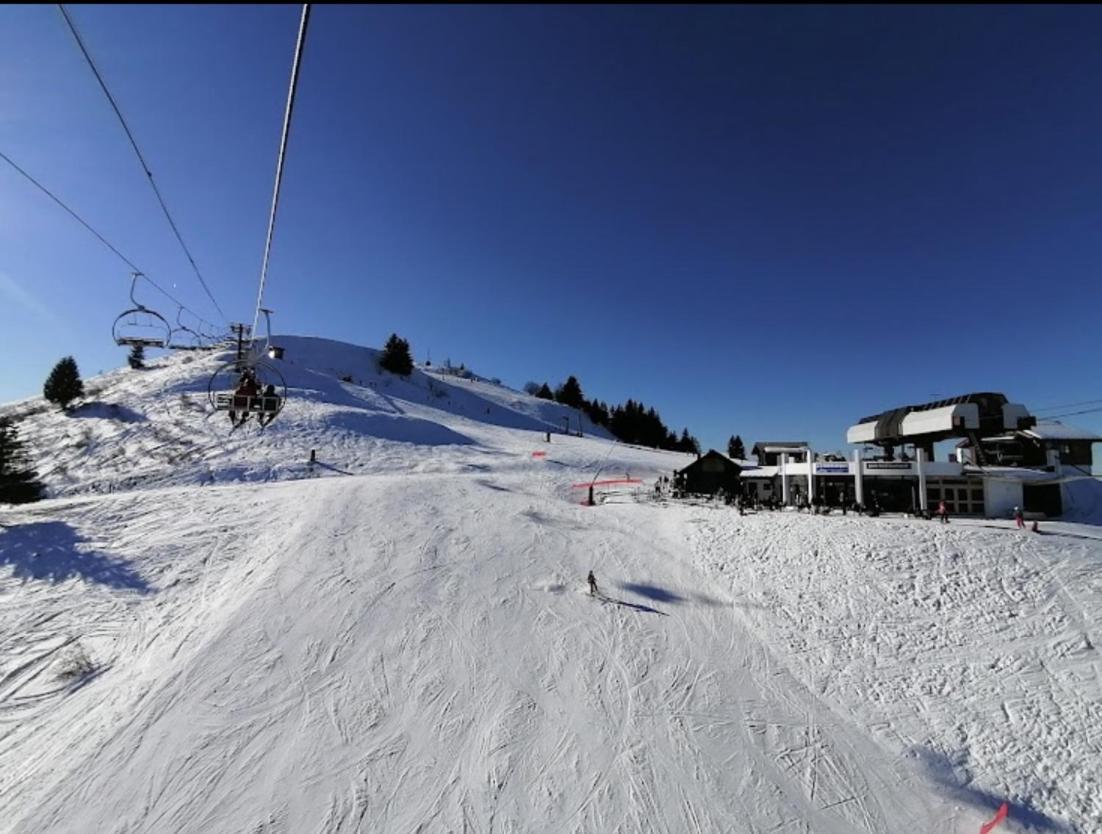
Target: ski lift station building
{"type": "Point", "coordinates": [1004, 458]}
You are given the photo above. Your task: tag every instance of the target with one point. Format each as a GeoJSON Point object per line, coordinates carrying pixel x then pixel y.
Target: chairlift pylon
{"type": "Point", "coordinates": [273, 351]}
{"type": "Point", "coordinates": [140, 326]}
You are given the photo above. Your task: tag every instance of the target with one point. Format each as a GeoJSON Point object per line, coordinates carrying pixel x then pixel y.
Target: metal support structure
{"type": "Point", "coordinates": [859, 477]}
{"type": "Point", "coordinates": [810, 478]}
{"type": "Point", "coordinates": [920, 460]}
{"type": "Point", "coordinates": [784, 479]}
{"type": "Point", "coordinates": [242, 333]}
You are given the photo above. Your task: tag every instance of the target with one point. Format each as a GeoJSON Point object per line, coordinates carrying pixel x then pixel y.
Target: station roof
{"type": "Point", "coordinates": [1054, 430]}
{"type": "Point", "coordinates": [771, 445]}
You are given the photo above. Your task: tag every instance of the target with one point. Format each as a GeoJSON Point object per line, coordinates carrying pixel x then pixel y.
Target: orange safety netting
{"type": "Point", "coordinates": [607, 483]}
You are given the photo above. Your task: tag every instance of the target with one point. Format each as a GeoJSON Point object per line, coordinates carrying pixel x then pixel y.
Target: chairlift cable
{"type": "Point", "coordinates": [1073, 413]}
{"type": "Point", "coordinates": [1068, 405]}
{"type": "Point", "coordinates": [279, 160]}
{"type": "Point", "coordinates": [133, 267]}
{"type": "Point", "coordinates": [141, 158]}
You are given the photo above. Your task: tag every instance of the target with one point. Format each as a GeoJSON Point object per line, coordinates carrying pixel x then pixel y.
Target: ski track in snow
{"type": "Point", "coordinates": [412, 648]}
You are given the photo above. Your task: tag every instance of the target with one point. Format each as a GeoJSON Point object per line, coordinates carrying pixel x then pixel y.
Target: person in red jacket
{"type": "Point", "coordinates": [1019, 519]}
{"type": "Point", "coordinates": [943, 512]}
{"type": "Point", "coordinates": [247, 388]}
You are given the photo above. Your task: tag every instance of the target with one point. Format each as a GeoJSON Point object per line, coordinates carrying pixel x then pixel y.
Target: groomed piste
{"type": "Point", "coordinates": [202, 631]}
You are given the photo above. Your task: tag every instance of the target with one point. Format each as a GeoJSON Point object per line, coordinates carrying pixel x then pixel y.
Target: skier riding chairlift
{"type": "Point", "coordinates": [267, 411]}
{"type": "Point", "coordinates": [247, 389]}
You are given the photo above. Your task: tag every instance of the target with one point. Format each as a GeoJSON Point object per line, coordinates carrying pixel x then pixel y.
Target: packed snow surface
{"type": "Point", "coordinates": [399, 638]}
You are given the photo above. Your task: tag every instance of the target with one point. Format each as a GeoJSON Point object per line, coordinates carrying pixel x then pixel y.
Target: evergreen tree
{"type": "Point", "coordinates": [735, 449]}
{"type": "Point", "coordinates": [688, 443]}
{"type": "Point", "coordinates": [597, 412]}
{"type": "Point", "coordinates": [63, 385]}
{"type": "Point", "coordinates": [136, 357]}
{"type": "Point", "coordinates": [531, 388]}
{"type": "Point", "coordinates": [545, 393]}
{"type": "Point", "coordinates": [396, 357]}
{"type": "Point", "coordinates": [18, 484]}
{"type": "Point", "coordinates": [570, 393]}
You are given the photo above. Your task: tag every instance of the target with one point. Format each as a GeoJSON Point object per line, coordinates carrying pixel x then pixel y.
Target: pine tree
{"type": "Point", "coordinates": [396, 357]}
{"type": "Point", "coordinates": [735, 449]}
{"type": "Point", "coordinates": [688, 443]}
{"type": "Point", "coordinates": [545, 393]}
{"type": "Point", "coordinates": [136, 357]}
{"type": "Point", "coordinates": [18, 485]}
{"type": "Point", "coordinates": [570, 393]}
{"type": "Point", "coordinates": [63, 385]}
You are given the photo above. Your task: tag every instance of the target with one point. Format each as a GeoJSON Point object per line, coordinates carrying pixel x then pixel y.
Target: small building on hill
{"type": "Point", "coordinates": [707, 475]}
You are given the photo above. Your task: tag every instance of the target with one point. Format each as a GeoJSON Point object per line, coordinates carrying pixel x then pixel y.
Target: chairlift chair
{"type": "Point", "coordinates": [139, 326]}
{"type": "Point", "coordinates": [224, 394]}
{"type": "Point", "coordinates": [183, 337]}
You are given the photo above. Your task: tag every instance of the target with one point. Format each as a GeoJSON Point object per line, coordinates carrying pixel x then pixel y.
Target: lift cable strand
{"type": "Point", "coordinates": [134, 267]}
{"type": "Point", "coordinates": [279, 160]}
{"type": "Point", "coordinates": [141, 158]}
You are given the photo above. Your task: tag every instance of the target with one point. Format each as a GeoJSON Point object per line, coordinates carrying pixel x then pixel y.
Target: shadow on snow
{"type": "Point", "coordinates": [633, 606]}
{"type": "Point", "coordinates": [52, 551]}
{"type": "Point", "coordinates": [107, 411]}
{"type": "Point", "coordinates": [658, 594]}
{"type": "Point", "coordinates": [956, 782]}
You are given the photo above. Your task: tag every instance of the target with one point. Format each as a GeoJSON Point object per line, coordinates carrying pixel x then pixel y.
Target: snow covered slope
{"type": "Point", "coordinates": [410, 648]}
{"type": "Point", "coordinates": [154, 427]}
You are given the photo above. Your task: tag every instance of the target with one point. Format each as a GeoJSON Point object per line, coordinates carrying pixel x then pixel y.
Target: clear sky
{"type": "Point", "coordinates": [764, 221]}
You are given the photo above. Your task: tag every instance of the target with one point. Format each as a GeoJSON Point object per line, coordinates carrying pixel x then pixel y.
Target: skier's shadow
{"type": "Point", "coordinates": [652, 592]}
{"type": "Point", "coordinates": [634, 606]}
{"type": "Point", "coordinates": [657, 594]}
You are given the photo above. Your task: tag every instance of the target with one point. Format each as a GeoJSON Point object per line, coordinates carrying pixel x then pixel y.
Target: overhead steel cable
{"type": "Point", "coordinates": [1068, 405]}
{"type": "Point", "coordinates": [1073, 413]}
{"type": "Point", "coordinates": [279, 160]}
{"type": "Point", "coordinates": [141, 158]}
{"type": "Point", "coordinates": [133, 266]}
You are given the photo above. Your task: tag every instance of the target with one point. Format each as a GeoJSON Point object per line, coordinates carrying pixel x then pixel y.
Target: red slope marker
{"type": "Point", "coordinates": [1000, 815]}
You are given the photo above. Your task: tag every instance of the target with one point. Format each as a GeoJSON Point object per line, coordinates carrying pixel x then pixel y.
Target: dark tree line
{"type": "Point", "coordinates": [632, 422]}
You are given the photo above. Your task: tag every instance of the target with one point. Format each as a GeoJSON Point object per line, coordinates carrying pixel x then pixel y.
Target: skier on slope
{"type": "Point", "coordinates": [943, 512]}
{"type": "Point", "coordinates": [1019, 518]}
{"type": "Point", "coordinates": [592, 584]}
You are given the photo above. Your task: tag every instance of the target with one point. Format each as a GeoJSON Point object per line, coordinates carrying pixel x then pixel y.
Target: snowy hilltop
{"type": "Point", "coordinates": [155, 427]}
{"type": "Point", "coordinates": [204, 632]}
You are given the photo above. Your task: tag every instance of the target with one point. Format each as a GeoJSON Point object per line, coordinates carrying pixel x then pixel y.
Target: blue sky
{"type": "Point", "coordinates": [764, 221]}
